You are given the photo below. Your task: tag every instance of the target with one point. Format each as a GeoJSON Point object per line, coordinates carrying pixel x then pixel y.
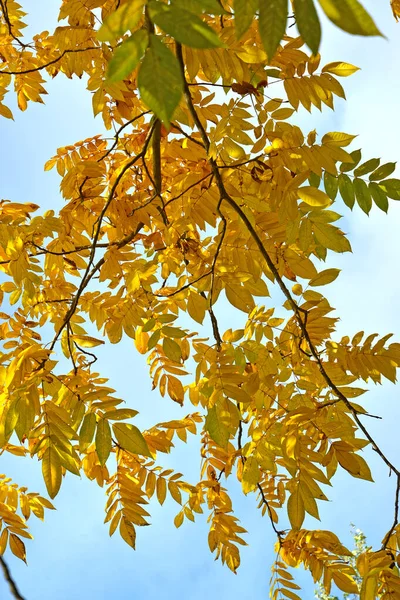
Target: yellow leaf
{"type": "Point", "coordinates": [196, 307]}
{"type": "Point", "coordinates": [369, 586]}
{"type": "Point", "coordinates": [341, 69]}
{"type": "Point", "coordinates": [233, 149]}
{"type": "Point", "coordinates": [251, 475]}
{"type": "Point", "coordinates": [86, 341]}
{"type": "Point", "coordinates": [313, 196]}
{"type": "Point", "coordinates": [175, 492]}
{"type": "Point", "coordinates": [17, 547]}
{"type": "Point", "coordinates": [325, 277]}
{"type": "Point", "coordinates": [141, 340]}
{"type": "Point", "coordinates": [175, 389]}
{"type": "Point", "coordinates": [345, 582]}
{"type": "Point", "coordinates": [331, 237]}
{"type": "Point", "coordinates": [51, 469]}
{"type": "Point", "coordinates": [239, 297]}
{"type": "Point", "coordinates": [295, 508]}
{"type": "Point", "coordinates": [337, 138]}
{"type": "Point", "coordinates": [3, 541]}
{"type": "Point", "coordinates": [161, 490]}
{"type": "Point", "coordinates": [217, 430]}
{"type": "Point", "coordinates": [179, 519]}
{"type": "Point", "coordinates": [127, 532]}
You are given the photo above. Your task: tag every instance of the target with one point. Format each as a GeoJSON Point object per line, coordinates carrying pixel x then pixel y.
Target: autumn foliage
{"type": "Point", "coordinates": [208, 193]}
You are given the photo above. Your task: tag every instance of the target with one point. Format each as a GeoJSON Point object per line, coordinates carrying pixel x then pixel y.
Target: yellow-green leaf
{"type": "Point", "coordinates": [183, 25]}
{"type": "Point", "coordinates": [131, 439]}
{"type": "Point", "coordinates": [217, 430]}
{"type": "Point", "coordinates": [346, 190]}
{"type": "Point", "coordinates": [244, 15]}
{"type": "Point", "coordinates": [325, 277]}
{"type": "Point", "coordinates": [125, 18]}
{"type": "Point", "coordinates": [103, 440]}
{"type": "Point", "coordinates": [250, 475]}
{"type": "Point", "coordinates": [308, 23]}
{"type": "Point", "coordinates": [379, 196]}
{"type": "Point", "coordinates": [172, 349]}
{"type": "Point", "coordinates": [331, 237]}
{"type": "Point", "coordinates": [363, 195]}
{"type": "Point", "coordinates": [272, 22]}
{"type": "Point", "coordinates": [367, 167]}
{"type": "Point", "coordinates": [127, 56]}
{"type": "Point", "coordinates": [383, 171]}
{"type": "Point", "coordinates": [350, 16]}
{"type": "Point", "coordinates": [160, 80]}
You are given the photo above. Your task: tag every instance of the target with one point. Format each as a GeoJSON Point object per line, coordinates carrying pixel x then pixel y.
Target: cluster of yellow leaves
{"type": "Point", "coordinates": [164, 223]}
{"type": "Point", "coordinates": [13, 525]}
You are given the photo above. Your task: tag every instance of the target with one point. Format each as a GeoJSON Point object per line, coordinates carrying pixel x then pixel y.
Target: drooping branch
{"type": "Point", "coordinates": [8, 577]}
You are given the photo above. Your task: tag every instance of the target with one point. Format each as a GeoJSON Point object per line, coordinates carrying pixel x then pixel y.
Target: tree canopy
{"type": "Point", "coordinates": [208, 193]}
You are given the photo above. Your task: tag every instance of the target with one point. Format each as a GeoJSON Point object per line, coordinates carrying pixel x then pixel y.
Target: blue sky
{"type": "Point", "coordinates": [72, 556]}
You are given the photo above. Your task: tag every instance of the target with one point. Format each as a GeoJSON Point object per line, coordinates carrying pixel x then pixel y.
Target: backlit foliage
{"type": "Point", "coordinates": [208, 193]}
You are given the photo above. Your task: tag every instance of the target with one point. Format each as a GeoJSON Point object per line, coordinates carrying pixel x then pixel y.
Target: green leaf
{"type": "Point", "coordinates": [211, 7]}
{"type": "Point", "coordinates": [331, 185]}
{"type": "Point", "coordinates": [392, 188]}
{"type": "Point", "coordinates": [362, 195]}
{"type": "Point", "coordinates": [314, 180]}
{"type": "Point", "coordinates": [308, 23]}
{"type": "Point", "coordinates": [382, 172]}
{"type": "Point", "coordinates": [103, 441]}
{"type": "Point", "coordinates": [124, 19]}
{"type": "Point", "coordinates": [350, 16]}
{"type": "Point", "coordinates": [356, 156]}
{"type": "Point", "coordinates": [172, 350]}
{"type": "Point", "coordinates": [367, 167]}
{"type": "Point", "coordinates": [217, 430]}
{"type": "Point", "coordinates": [379, 196]}
{"type": "Point", "coordinates": [346, 189]}
{"type": "Point", "coordinates": [183, 25]}
{"type": "Point", "coordinates": [244, 15]}
{"type": "Point", "coordinates": [127, 56]}
{"type": "Point", "coordinates": [131, 439]}
{"type": "Point", "coordinates": [160, 80]}
{"type": "Point", "coordinates": [272, 24]}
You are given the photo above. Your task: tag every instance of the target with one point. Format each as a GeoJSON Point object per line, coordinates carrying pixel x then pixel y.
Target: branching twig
{"type": "Point", "coordinates": [51, 62]}
{"type": "Point", "coordinates": [298, 311]}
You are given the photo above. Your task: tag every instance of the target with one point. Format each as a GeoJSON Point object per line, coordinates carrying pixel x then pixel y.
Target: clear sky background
{"type": "Point", "coordinates": [72, 556]}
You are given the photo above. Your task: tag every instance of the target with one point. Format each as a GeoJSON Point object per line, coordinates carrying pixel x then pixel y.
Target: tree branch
{"type": "Point", "coordinates": [8, 577]}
